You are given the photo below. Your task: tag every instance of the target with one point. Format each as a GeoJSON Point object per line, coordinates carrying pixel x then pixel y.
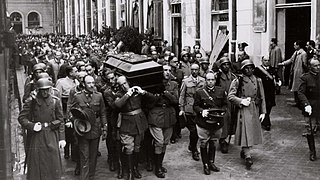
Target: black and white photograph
{"type": "Point", "coordinates": [159, 89]}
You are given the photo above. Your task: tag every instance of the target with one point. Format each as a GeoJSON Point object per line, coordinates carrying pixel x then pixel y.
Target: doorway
{"type": "Point", "coordinates": [176, 36]}
{"type": "Point", "coordinates": [297, 27]}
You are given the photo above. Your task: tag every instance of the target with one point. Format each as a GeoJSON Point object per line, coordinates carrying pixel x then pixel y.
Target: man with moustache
{"type": "Point", "coordinates": [90, 101]}
{"type": "Point", "coordinates": [189, 86]}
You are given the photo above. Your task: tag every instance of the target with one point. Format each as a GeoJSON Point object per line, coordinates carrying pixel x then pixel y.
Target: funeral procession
{"type": "Point", "coordinates": [159, 89]}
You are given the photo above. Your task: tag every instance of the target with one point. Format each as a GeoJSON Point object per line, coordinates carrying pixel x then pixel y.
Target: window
{"type": "Point", "coordinates": [15, 17]}
{"type": "Point", "coordinates": [33, 20]}
{"type": "Point", "coordinates": [219, 5]}
{"type": "Point", "coordinates": [176, 8]}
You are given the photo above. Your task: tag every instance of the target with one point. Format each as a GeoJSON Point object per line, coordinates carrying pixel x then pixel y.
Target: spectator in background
{"type": "Point", "coordinates": [275, 56]}
{"type": "Point", "coordinates": [298, 63]}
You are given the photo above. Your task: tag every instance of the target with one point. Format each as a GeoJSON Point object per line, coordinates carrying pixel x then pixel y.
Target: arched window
{"type": "Point", "coordinates": [16, 19]}
{"type": "Point", "coordinates": [33, 20]}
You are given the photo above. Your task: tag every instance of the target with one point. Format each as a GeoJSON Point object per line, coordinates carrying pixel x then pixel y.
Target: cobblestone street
{"type": "Point", "coordinates": [283, 155]}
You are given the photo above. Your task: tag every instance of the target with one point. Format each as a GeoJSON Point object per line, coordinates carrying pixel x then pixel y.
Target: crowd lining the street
{"type": "Point", "coordinates": [71, 99]}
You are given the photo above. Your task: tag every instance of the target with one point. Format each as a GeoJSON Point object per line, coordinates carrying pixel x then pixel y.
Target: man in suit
{"type": "Point", "coordinates": [298, 63]}
{"type": "Point", "coordinates": [269, 79]}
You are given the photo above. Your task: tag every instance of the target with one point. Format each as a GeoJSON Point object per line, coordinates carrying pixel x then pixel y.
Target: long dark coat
{"type": "Point", "coordinates": [43, 156]}
{"type": "Point", "coordinates": [248, 132]}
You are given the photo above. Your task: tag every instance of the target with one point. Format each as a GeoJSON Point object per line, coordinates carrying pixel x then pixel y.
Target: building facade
{"type": "Point", "coordinates": [36, 16]}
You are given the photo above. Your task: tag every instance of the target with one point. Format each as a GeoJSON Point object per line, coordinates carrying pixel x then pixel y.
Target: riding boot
{"type": "Point", "coordinates": [136, 172]}
{"type": "Point", "coordinates": [111, 162]}
{"type": "Point", "coordinates": [130, 167]}
{"type": "Point", "coordinates": [150, 160]}
{"type": "Point", "coordinates": [205, 161]}
{"type": "Point", "coordinates": [212, 155]}
{"type": "Point", "coordinates": [161, 161]}
{"type": "Point", "coordinates": [120, 170]}
{"type": "Point", "coordinates": [312, 148]}
{"type": "Point", "coordinates": [158, 171]}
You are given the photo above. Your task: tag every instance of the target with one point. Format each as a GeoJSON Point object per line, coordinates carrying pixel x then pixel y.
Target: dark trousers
{"type": "Point", "coordinates": [193, 137]}
{"type": "Point", "coordinates": [88, 157]}
{"type": "Point", "coordinates": [266, 121]}
{"type": "Point", "coordinates": [68, 131]}
{"type": "Point", "coordinates": [113, 145]}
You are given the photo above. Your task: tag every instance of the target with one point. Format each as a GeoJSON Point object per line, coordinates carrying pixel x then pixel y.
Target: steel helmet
{"type": "Point", "coordinates": [204, 60]}
{"type": "Point", "coordinates": [184, 53]}
{"type": "Point", "coordinates": [39, 66]}
{"type": "Point", "coordinates": [44, 83]}
{"type": "Point", "coordinates": [224, 60]}
{"type": "Point", "coordinates": [246, 62]}
{"type": "Point", "coordinates": [43, 75]}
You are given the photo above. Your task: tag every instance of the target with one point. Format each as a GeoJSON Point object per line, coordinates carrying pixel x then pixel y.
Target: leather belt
{"type": "Point", "coordinates": [134, 112]}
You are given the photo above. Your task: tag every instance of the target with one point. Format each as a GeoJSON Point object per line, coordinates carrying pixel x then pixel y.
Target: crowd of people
{"type": "Point", "coordinates": [71, 99]}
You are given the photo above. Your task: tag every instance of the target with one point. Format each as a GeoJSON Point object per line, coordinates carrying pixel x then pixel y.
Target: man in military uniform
{"type": "Point", "coordinates": [42, 117]}
{"type": "Point", "coordinates": [162, 117]}
{"type": "Point", "coordinates": [204, 67]}
{"type": "Point", "coordinates": [113, 142]}
{"type": "Point", "coordinates": [75, 155]}
{"type": "Point", "coordinates": [30, 83]}
{"type": "Point", "coordinates": [90, 101]}
{"type": "Point", "coordinates": [309, 97]}
{"type": "Point", "coordinates": [247, 94]}
{"type": "Point", "coordinates": [186, 100]}
{"type": "Point", "coordinates": [224, 79]}
{"type": "Point", "coordinates": [185, 64]}
{"type": "Point", "coordinates": [208, 126]}
{"type": "Point", "coordinates": [133, 122]}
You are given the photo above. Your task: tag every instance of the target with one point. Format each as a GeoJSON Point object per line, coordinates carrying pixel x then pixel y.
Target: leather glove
{"type": "Point", "coordinates": [308, 109]}
{"type": "Point", "coordinates": [37, 127]}
{"type": "Point", "coordinates": [140, 91]}
{"type": "Point", "coordinates": [279, 83]}
{"type": "Point", "coordinates": [130, 92]}
{"type": "Point", "coordinates": [261, 117]}
{"type": "Point", "coordinates": [205, 113]}
{"type": "Point", "coordinates": [181, 113]}
{"type": "Point", "coordinates": [69, 124]}
{"type": "Point", "coordinates": [245, 102]}
{"type": "Point", "coordinates": [62, 143]}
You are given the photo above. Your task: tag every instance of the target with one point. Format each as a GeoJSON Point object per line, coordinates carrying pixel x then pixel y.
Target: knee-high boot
{"type": "Point", "coordinates": [136, 172]}
{"type": "Point", "coordinates": [162, 168]}
{"type": "Point", "coordinates": [312, 148]}
{"type": "Point", "coordinates": [158, 164]}
{"type": "Point", "coordinates": [130, 167]}
{"type": "Point", "coordinates": [205, 161]}
{"type": "Point", "coordinates": [212, 155]}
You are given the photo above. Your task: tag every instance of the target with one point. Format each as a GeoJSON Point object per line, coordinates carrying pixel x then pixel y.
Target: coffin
{"type": "Point", "coordinates": [140, 70]}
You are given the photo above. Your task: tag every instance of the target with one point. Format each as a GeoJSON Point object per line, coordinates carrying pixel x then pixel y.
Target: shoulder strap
{"type": "Point", "coordinates": [205, 92]}
{"type": "Point", "coordinates": [239, 89]}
